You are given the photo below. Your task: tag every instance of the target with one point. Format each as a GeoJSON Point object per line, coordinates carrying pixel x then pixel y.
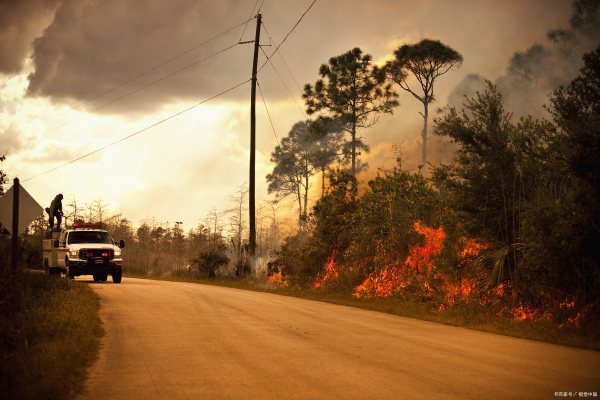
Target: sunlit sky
{"type": "Point", "coordinates": [56, 55]}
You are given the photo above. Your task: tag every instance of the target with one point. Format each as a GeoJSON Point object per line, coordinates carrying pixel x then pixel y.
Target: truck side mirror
{"type": "Point", "coordinates": [56, 243]}
{"type": "Point", "coordinates": [122, 243]}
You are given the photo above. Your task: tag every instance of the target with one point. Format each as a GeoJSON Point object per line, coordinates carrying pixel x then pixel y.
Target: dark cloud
{"type": "Point", "coordinates": [20, 22]}
{"type": "Point", "coordinates": [92, 45]}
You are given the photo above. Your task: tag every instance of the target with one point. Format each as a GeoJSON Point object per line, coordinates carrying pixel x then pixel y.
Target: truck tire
{"type": "Point", "coordinates": [103, 277]}
{"type": "Point", "coordinates": [116, 276]}
{"type": "Point", "coordinates": [97, 278]}
{"type": "Point", "coordinates": [67, 270]}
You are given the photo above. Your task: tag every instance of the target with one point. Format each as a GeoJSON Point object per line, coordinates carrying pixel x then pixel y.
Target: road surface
{"type": "Point", "coordinates": [169, 340]}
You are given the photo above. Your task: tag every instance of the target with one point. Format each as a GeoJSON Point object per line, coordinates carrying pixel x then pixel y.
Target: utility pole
{"type": "Point", "coordinates": [252, 194]}
{"type": "Point", "coordinates": [14, 252]}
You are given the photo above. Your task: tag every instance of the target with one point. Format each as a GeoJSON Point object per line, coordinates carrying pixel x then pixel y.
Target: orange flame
{"type": "Point", "coordinates": [471, 249]}
{"type": "Point", "coordinates": [418, 274]}
{"type": "Point", "coordinates": [526, 313]}
{"type": "Point", "coordinates": [277, 279]}
{"type": "Point", "coordinates": [330, 275]}
{"type": "Point", "coordinates": [392, 279]}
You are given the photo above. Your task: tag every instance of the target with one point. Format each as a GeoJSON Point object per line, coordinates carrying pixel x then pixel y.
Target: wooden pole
{"type": "Point", "coordinates": [14, 253]}
{"type": "Point", "coordinates": [252, 189]}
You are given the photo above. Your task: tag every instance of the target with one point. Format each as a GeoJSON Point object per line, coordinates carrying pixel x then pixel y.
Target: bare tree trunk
{"type": "Point", "coordinates": [424, 133]}
{"type": "Point", "coordinates": [305, 216]}
{"type": "Point", "coordinates": [353, 148]}
{"type": "Point", "coordinates": [322, 182]}
{"type": "Point", "coordinates": [299, 195]}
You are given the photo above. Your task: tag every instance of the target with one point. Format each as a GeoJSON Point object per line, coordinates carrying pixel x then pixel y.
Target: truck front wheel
{"type": "Point", "coordinates": [68, 274]}
{"type": "Point", "coordinates": [116, 276]}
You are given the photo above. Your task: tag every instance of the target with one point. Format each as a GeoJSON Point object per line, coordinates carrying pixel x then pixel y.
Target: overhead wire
{"type": "Point", "coordinates": [139, 131]}
{"type": "Point", "coordinates": [280, 53]}
{"type": "Point", "coordinates": [163, 77]}
{"type": "Point", "coordinates": [284, 84]}
{"type": "Point", "coordinates": [287, 35]}
{"type": "Point", "coordinates": [267, 110]}
{"type": "Point", "coordinates": [289, 70]}
{"type": "Point", "coordinates": [251, 17]}
{"type": "Point", "coordinates": [260, 7]}
{"type": "Point", "coordinates": [154, 67]}
{"type": "Point", "coordinates": [168, 60]}
{"type": "Point", "coordinates": [188, 108]}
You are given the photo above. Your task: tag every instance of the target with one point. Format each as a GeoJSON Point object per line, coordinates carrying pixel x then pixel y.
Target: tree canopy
{"type": "Point", "coordinates": [353, 91]}
{"type": "Point", "coordinates": [426, 61]}
{"type": "Point", "coordinates": [293, 167]}
{"type": "Point", "coordinates": [2, 177]}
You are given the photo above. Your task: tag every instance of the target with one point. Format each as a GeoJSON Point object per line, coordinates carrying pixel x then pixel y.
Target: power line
{"type": "Point", "coordinates": [148, 84]}
{"type": "Point", "coordinates": [288, 34]}
{"type": "Point", "coordinates": [280, 53]}
{"type": "Point", "coordinates": [10, 138]}
{"type": "Point", "coordinates": [260, 7]}
{"type": "Point", "coordinates": [138, 131]}
{"type": "Point", "coordinates": [168, 60]}
{"type": "Point", "coordinates": [247, 22]}
{"type": "Point", "coordinates": [163, 77]}
{"type": "Point", "coordinates": [284, 85]}
{"type": "Point", "coordinates": [289, 70]}
{"type": "Point", "coordinates": [267, 110]}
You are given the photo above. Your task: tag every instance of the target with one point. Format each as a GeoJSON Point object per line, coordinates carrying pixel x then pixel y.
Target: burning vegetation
{"type": "Point", "coordinates": [329, 276]}
{"type": "Point", "coordinates": [509, 228]}
{"type": "Point", "coordinates": [417, 272]}
{"type": "Point", "coordinates": [418, 277]}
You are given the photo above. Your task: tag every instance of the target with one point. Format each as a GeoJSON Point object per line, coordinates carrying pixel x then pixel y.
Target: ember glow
{"type": "Point", "coordinates": [471, 250]}
{"type": "Point", "coordinates": [525, 313]}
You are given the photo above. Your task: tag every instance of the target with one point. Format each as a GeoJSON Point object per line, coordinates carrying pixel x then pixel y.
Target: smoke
{"type": "Point", "coordinates": [534, 73]}
{"type": "Point", "coordinates": [470, 85]}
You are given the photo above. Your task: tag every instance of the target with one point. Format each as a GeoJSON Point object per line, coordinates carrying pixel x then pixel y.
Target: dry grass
{"type": "Point", "coordinates": [48, 337]}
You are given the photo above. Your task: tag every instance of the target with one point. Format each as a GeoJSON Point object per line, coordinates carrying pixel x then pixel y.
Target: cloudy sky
{"type": "Point", "coordinates": [66, 87]}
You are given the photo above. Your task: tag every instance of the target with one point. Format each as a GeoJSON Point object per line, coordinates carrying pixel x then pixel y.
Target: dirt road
{"type": "Point", "coordinates": [169, 340]}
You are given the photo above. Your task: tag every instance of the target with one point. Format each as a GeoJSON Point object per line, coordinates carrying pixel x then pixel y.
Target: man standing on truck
{"type": "Point", "coordinates": [55, 210]}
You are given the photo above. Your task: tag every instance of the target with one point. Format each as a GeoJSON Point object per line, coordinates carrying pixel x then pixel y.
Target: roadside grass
{"type": "Point", "coordinates": [49, 333]}
{"type": "Point", "coordinates": [473, 316]}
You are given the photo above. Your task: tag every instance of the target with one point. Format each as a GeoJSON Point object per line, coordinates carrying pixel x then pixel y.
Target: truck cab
{"type": "Point", "coordinates": [83, 249]}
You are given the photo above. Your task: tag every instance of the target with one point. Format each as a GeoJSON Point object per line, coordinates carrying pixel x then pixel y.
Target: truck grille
{"type": "Point", "coordinates": [91, 254]}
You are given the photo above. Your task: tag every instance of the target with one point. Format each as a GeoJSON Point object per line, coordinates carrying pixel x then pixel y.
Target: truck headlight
{"type": "Point", "coordinates": [74, 253]}
{"type": "Point", "coordinates": [117, 253]}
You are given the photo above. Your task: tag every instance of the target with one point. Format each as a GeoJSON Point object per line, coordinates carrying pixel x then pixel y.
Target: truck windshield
{"type": "Point", "coordinates": [89, 237]}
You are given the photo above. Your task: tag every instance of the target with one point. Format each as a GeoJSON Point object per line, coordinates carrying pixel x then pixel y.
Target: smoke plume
{"type": "Point", "coordinates": [535, 72]}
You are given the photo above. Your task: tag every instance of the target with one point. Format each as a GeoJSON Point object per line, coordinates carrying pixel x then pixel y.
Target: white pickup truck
{"type": "Point", "coordinates": [84, 249]}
